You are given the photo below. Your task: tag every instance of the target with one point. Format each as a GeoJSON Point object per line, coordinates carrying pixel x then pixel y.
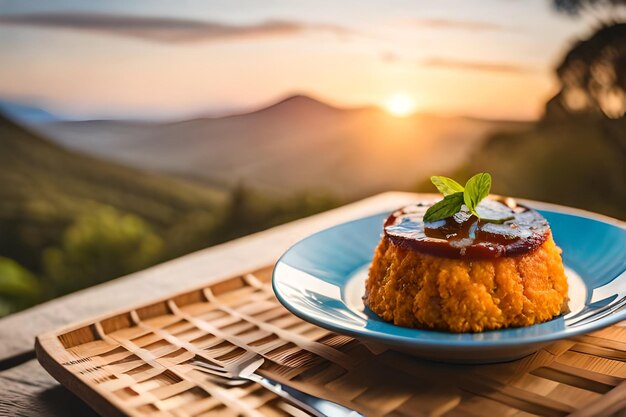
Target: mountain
{"type": "Point", "coordinates": [45, 188]}
{"type": "Point", "coordinates": [26, 113]}
{"type": "Point", "coordinates": [296, 144]}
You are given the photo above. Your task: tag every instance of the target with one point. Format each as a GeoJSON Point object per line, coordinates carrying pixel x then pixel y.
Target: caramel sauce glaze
{"type": "Point", "coordinates": [516, 230]}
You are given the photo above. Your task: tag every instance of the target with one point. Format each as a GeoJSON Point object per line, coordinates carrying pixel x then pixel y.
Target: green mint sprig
{"type": "Point", "coordinates": [455, 195]}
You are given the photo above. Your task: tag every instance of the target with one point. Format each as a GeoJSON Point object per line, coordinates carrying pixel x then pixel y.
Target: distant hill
{"type": "Point", "coordinates": [45, 188]}
{"type": "Point", "coordinates": [296, 144]}
{"type": "Point", "coordinates": [26, 113]}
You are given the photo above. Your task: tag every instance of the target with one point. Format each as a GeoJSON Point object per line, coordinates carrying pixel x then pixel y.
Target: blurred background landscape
{"type": "Point", "coordinates": [131, 134]}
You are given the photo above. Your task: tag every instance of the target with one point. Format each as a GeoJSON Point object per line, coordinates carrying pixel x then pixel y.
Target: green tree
{"type": "Point", "coordinates": [100, 246]}
{"type": "Point", "coordinates": [592, 73]}
{"type": "Point", "coordinates": [591, 7]}
{"type": "Point", "coordinates": [593, 76]}
{"type": "Point", "coordinates": [19, 288]}
{"type": "Point", "coordinates": [249, 210]}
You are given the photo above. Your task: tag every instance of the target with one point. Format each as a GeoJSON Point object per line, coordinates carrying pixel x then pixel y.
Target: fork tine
{"type": "Point", "coordinates": [591, 311]}
{"type": "Point", "coordinates": [217, 375]}
{"type": "Point", "coordinates": [230, 375]}
{"type": "Point", "coordinates": [226, 382]}
{"type": "Point", "coordinates": [213, 370]}
{"type": "Point", "coordinates": [207, 365]}
{"type": "Point", "coordinates": [595, 315]}
{"type": "Point", "coordinates": [248, 362]}
{"type": "Point", "coordinates": [602, 314]}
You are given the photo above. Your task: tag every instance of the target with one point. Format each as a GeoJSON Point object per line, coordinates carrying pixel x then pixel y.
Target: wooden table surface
{"type": "Point", "coordinates": [25, 387]}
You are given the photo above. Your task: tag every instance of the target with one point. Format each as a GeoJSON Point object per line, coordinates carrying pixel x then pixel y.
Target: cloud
{"type": "Point", "coordinates": [470, 25]}
{"type": "Point", "coordinates": [506, 67]}
{"type": "Point", "coordinates": [165, 29]}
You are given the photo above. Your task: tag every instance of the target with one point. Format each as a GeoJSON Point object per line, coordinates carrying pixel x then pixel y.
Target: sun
{"type": "Point", "coordinates": [400, 105]}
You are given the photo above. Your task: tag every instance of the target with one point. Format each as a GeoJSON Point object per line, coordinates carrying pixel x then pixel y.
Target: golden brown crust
{"type": "Point", "coordinates": [413, 289]}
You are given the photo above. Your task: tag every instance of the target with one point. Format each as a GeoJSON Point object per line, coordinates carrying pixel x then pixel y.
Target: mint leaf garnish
{"type": "Point", "coordinates": [476, 189]}
{"type": "Point", "coordinates": [455, 195]}
{"type": "Point", "coordinates": [445, 185]}
{"type": "Point", "coordinates": [449, 206]}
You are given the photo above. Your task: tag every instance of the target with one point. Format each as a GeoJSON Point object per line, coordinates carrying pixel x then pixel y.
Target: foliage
{"type": "Point", "coordinates": [45, 188]}
{"type": "Point", "coordinates": [99, 246]}
{"type": "Point", "coordinates": [18, 286]}
{"type": "Point", "coordinates": [249, 211]}
{"type": "Point", "coordinates": [577, 7]}
{"type": "Point", "coordinates": [593, 72]}
{"type": "Point", "coordinates": [593, 77]}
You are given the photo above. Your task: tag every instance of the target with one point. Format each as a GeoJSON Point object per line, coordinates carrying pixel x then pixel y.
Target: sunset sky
{"type": "Point", "coordinates": [163, 58]}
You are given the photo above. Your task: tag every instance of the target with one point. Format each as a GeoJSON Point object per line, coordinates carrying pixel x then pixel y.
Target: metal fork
{"type": "Point", "coordinates": [244, 372]}
{"type": "Point", "coordinates": [605, 300]}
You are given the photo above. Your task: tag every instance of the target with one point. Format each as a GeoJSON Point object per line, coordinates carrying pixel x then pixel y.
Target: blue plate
{"type": "Point", "coordinates": [321, 280]}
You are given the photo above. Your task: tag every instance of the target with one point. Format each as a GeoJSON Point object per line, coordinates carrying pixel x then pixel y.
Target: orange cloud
{"type": "Point", "coordinates": [507, 67]}
{"type": "Point", "coordinates": [460, 24]}
{"type": "Point", "coordinates": [165, 29]}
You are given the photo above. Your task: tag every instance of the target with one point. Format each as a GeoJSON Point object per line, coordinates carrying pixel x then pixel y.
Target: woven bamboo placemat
{"type": "Point", "coordinates": [137, 363]}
